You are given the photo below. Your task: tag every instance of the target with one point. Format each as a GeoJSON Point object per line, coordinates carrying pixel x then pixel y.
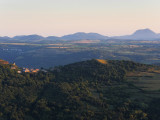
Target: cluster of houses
{"type": "Point", "coordinates": [24, 70]}
{"type": "Point", "coordinates": [27, 70]}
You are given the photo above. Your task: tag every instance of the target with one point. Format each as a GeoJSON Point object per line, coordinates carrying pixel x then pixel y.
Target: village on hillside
{"type": "Point", "coordinates": [20, 70]}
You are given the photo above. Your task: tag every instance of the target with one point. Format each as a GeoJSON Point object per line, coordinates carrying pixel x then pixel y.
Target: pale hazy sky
{"type": "Point", "coordinates": [60, 17]}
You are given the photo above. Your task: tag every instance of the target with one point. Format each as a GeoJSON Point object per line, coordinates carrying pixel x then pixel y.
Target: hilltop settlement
{"type": "Point", "coordinates": [19, 70]}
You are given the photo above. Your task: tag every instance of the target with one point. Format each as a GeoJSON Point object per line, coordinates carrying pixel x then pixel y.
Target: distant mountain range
{"type": "Point", "coordinates": [142, 34]}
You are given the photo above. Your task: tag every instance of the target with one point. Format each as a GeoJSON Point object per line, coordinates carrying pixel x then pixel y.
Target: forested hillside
{"type": "Point", "coordinates": [88, 90]}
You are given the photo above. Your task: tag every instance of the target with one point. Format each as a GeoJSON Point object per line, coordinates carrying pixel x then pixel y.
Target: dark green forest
{"type": "Point", "coordinates": [87, 90]}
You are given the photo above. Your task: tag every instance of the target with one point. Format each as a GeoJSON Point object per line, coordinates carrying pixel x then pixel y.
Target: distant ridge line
{"type": "Point", "coordinates": [141, 34]}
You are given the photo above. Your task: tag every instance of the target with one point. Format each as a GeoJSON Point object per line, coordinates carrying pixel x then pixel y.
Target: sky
{"type": "Point", "coordinates": [61, 17]}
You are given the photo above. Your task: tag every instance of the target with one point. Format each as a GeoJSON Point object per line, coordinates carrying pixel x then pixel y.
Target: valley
{"type": "Point", "coordinates": [36, 55]}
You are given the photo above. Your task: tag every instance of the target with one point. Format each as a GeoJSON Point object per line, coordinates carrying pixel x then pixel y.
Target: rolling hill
{"type": "Point", "coordinates": [84, 36]}
{"type": "Point", "coordinates": [81, 91]}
